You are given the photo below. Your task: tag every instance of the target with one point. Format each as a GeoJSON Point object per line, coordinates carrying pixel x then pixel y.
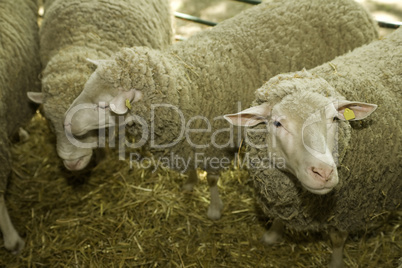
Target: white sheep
{"type": "Point", "coordinates": [176, 95]}
{"type": "Point", "coordinates": [19, 70]}
{"type": "Point", "coordinates": [336, 172]}
{"type": "Point", "coordinates": [73, 31]}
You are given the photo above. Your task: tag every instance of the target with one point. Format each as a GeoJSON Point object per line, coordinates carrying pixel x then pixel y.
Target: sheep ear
{"type": "Point", "coordinates": [122, 102]}
{"type": "Point", "coordinates": [348, 110]}
{"type": "Point", "coordinates": [251, 116]}
{"type": "Point", "coordinates": [36, 97]}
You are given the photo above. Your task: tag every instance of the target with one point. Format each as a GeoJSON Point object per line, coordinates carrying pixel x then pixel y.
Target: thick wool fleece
{"type": "Point", "coordinates": [207, 74]}
{"type": "Point", "coordinates": [370, 171]}
{"type": "Point", "coordinates": [19, 70]}
{"type": "Point", "coordinates": [75, 30]}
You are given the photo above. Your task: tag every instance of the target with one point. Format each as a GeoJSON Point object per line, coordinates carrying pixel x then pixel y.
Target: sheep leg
{"type": "Point", "coordinates": [274, 234]}
{"type": "Point", "coordinates": [12, 241]}
{"type": "Point", "coordinates": [191, 181]}
{"type": "Point", "coordinates": [338, 239]}
{"type": "Point", "coordinates": [216, 205]}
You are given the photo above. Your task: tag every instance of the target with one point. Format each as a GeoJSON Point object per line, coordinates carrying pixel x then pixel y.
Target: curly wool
{"type": "Point", "coordinates": [370, 162]}
{"type": "Point", "coordinates": [210, 72]}
{"type": "Point", "coordinates": [19, 70]}
{"type": "Point", "coordinates": [73, 31]}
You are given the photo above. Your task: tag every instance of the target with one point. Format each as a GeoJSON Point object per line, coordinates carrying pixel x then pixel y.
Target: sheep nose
{"type": "Point", "coordinates": [322, 174]}
{"type": "Point", "coordinates": [71, 164]}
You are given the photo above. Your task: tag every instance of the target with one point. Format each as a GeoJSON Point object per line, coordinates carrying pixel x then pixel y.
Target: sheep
{"type": "Point", "coordinates": [73, 31]}
{"type": "Point", "coordinates": [172, 98]}
{"type": "Point", "coordinates": [338, 164]}
{"type": "Point", "coordinates": [19, 70]}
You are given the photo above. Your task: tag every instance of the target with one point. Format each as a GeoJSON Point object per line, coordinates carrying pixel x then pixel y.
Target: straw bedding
{"type": "Point", "coordinates": [117, 217]}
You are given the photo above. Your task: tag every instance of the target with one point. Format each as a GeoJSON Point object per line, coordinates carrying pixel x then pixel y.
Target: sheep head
{"type": "Point", "coordinates": [111, 90]}
{"type": "Point", "coordinates": [75, 153]}
{"type": "Point", "coordinates": [96, 106]}
{"type": "Point", "coordinates": [302, 128]}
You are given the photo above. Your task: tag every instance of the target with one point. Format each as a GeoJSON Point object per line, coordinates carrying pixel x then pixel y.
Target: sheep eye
{"type": "Point", "coordinates": [335, 119]}
{"type": "Point", "coordinates": [277, 124]}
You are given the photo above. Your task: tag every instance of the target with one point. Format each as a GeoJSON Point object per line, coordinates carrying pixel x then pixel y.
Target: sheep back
{"type": "Point", "coordinates": [104, 25]}
{"type": "Point", "coordinates": [75, 30]}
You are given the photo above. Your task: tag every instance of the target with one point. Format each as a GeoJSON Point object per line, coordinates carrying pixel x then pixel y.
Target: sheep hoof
{"type": "Point", "coordinates": [215, 210]}
{"type": "Point", "coordinates": [271, 238]}
{"type": "Point", "coordinates": [23, 134]}
{"type": "Point", "coordinates": [274, 234]}
{"type": "Point", "coordinates": [14, 243]}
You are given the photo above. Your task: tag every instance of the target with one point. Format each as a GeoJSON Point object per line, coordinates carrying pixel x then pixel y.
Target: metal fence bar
{"type": "Point", "coordinates": [383, 24]}
{"type": "Point", "coordinates": [392, 25]}
{"type": "Point", "coordinates": [194, 19]}
{"type": "Point", "coordinates": [253, 2]}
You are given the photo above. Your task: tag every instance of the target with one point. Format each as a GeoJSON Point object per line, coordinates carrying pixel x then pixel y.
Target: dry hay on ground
{"type": "Point", "coordinates": [115, 216]}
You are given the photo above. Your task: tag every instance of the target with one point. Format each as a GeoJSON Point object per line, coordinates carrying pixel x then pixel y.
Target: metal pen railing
{"type": "Point", "coordinates": [383, 24]}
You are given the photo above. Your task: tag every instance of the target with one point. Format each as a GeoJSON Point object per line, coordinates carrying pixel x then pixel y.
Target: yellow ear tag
{"type": "Point", "coordinates": [128, 104]}
{"type": "Point", "coordinates": [349, 114]}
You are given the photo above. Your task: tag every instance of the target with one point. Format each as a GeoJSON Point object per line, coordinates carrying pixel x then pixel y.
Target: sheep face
{"type": "Point", "coordinates": [75, 152]}
{"type": "Point", "coordinates": [302, 130]}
